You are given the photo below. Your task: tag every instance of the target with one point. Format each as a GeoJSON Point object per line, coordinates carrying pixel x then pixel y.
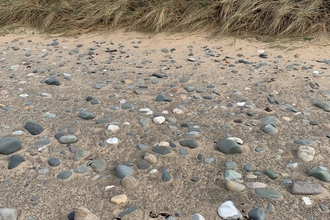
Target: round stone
{"type": "Point", "coordinates": [64, 175]}
{"type": "Point", "coordinates": [54, 162]}
{"type": "Point", "coordinates": [119, 199]}
{"type": "Point", "coordinates": [159, 120]}
{"type": "Point", "coordinates": [150, 158]}
{"type": "Point", "coordinates": [98, 165]}
{"type": "Point", "coordinates": [123, 171]}
{"type": "Point", "coordinates": [257, 214]}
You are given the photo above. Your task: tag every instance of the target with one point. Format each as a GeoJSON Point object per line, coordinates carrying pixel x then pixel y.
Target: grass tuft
{"type": "Point", "coordinates": [280, 18]}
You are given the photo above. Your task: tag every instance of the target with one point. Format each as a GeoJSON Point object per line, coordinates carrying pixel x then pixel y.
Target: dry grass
{"type": "Point", "coordinates": [229, 17]}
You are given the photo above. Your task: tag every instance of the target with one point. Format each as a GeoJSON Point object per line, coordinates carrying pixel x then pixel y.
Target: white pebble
{"type": "Point", "coordinates": [149, 113]}
{"type": "Point", "coordinates": [236, 139]}
{"type": "Point", "coordinates": [292, 165]}
{"type": "Point", "coordinates": [112, 141]}
{"type": "Point", "coordinates": [144, 110]}
{"type": "Point", "coordinates": [126, 123]}
{"type": "Point", "coordinates": [23, 95]}
{"type": "Point", "coordinates": [261, 51]}
{"type": "Point", "coordinates": [159, 120]}
{"type": "Point", "coordinates": [315, 72]}
{"type": "Point", "coordinates": [18, 132]}
{"type": "Point", "coordinates": [165, 112]}
{"type": "Point", "coordinates": [42, 149]}
{"type": "Point", "coordinates": [240, 103]}
{"type": "Point", "coordinates": [247, 88]}
{"type": "Point", "coordinates": [152, 171]}
{"type": "Point", "coordinates": [122, 101]}
{"type": "Point", "coordinates": [109, 187]}
{"type": "Point", "coordinates": [228, 210]}
{"type": "Point", "coordinates": [113, 128]}
{"type": "Point", "coordinates": [306, 200]}
{"type": "Point", "coordinates": [177, 111]}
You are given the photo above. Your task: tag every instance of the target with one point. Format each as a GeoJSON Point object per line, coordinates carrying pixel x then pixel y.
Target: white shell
{"type": "Point", "coordinates": [236, 139]}
{"type": "Point", "coordinates": [228, 210]}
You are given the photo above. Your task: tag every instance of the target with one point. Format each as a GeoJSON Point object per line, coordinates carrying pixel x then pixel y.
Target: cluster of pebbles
{"type": "Point", "coordinates": [124, 129]}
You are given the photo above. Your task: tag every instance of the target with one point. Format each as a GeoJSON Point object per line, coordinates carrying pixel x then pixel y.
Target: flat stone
{"type": "Point", "coordinates": [257, 214]}
{"type": "Point", "coordinates": [127, 105]}
{"type": "Point", "coordinates": [98, 165]}
{"type": "Point", "coordinates": [80, 153]}
{"type": "Point", "coordinates": [271, 173]}
{"type": "Point", "coordinates": [86, 115]}
{"type": "Point", "coordinates": [9, 145]}
{"type": "Point", "coordinates": [306, 153]}
{"type": "Point", "coordinates": [119, 199]}
{"type": "Point", "coordinates": [305, 188]}
{"type": "Point", "coordinates": [163, 150]}
{"type": "Point", "coordinates": [232, 175]}
{"type": "Point", "coordinates": [267, 193]}
{"type": "Point", "coordinates": [33, 128]}
{"type": "Point", "coordinates": [143, 165]}
{"type": "Point", "coordinates": [269, 129]}
{"type": "Point", "coordinates": [67, 139]}
{"type": "Point", "coordinates": [128, 211]}
{"type": "Point", "coordinates": [83, 213]}
{"type": "Point", "coordinates": [320, 173]}
{"type": "Point", "coordinates": [102, 121]}
{"type": "Point", "coordinates": [304, 142]}
{"type": "Point", "coordinates": [123, 171]}
{"type": "Point", "coordinates": [268, 120]}
{"type": "Point", "coordinates": [144, 121]}
{"type": "Point", "coordinates": [64, 175]}
{"type": "Point", "coordinates": [189, 143]}
{"type": "Point", "coordinates": [15, 160]}
{"type": "Point", "coordinates": [129, 182]}
{"type": "Point", "coordinates": [234, 186]}
{"type": "Point", "coordinates": [54, 162]}
{"type": "Point", "coordinates": [197, 216]}
{"type": "Point", "coordinates": [81, 169]}
{"type": "Point", "coordinates": [53, 81]}
{"type": "Point", "coordinates": [189, 88]}
{"type": "Point", "coordinates": [227, 210]}
{"type": "Point", "coordinates": [227, 146]}
{"type": "Point", "coordinates": [8, 214]}
{"type": "Point", "coordinates": [323, 105]}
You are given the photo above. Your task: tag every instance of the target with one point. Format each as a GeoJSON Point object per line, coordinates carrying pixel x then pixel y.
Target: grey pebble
{"type": "Point", "coordinates": [54, 162]}
{"type": "Point", "coordinates": [228, 146]}
{"type": "Point", "coordinates": [123, 171]}
{"type": "Point", "coordinates": [257, 214]}
{"type": "Point", "coordinates": [320, 173]}
{"type": "Point", "coordinates": [81, 169]}
{"type": "Point", "coordinates": [183, 151]}
{"type": "Point", "coordinates": [33, 128]}
{"type": "Point", "coordinates": [267, 193]}
{"type": "Point", "coordinates": [166, 177]}
{"type": "Point", "coordinates": [67, 139]}
{"type": "Point", "coordinates": [64, 175]}
{"type": "Point", "coordinates": [15, 160]}
{"type": "Point", "coordinates": [163, 150]}
{"type": "Point", "coordinates": [189, 143]}
{"type": "Point", "coordinates": [305, 188]}
{"type": "Point", "coordinates": [98, 165]}
{"type": "Point", "coordinates": [271, 173]}
{"type": "Point", "coordinates": [86, 115]}
{"type": "Point", "coordinates": [9, 145]}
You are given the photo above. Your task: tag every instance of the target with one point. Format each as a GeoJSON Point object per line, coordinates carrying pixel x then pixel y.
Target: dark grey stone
{"type": "Point", "coordinates": [257, 214]}
{"type": "Point", "coordinates": [189, 143]}
{"type": "Point", "coordinates": [15, 160]}
{"type": "Point", "coordinates": [53, 81]}
{"type": "Point", "coordinates": [166, 177]}
{"type": "Point", "coordinates": [33, 128]}
{"type": "Point", "coordinates": [86, 115]}
{"type": "Point", "coordinates": [9, 145]}
{"type": "Point", "coordinates": [64, 175]}
{"type": "Point", "coordinates": [54, 162]}
{"type": "Point", "coordinates": [143, 165]}
{"type": "Point", "coordinates": [123, 171]}
{"type": "Point", "coordinates": [163, 150]}
{"type": "Point", "coordinates": [271, 173]}
{"type": "Point", "coordinates": [228, 146]}
{"type": "Point", "coordinates": [128, 211]}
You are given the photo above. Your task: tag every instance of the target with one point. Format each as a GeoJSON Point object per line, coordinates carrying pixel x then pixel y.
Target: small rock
{"type": "Point", "coordinates": [229, 147]}
{"type": "Point", "coordinates": [119, 199]}
{"type": "Point", "coordinates": [83, 213]}
{"type": "Point", "coordinates": [9, 145]}
{"type": "Point", "coordinates": [129, 182]}
{"type": "Point", "coordinates": [163, 150]}
{"type": "Point", "coordinates": [33, 128]}
{"type": "Point", "coordinates": [113, 128]}
{"type": "Point", "coordinates": [64, 175]}
{"type": "Point", "coordinates": [112, 141]}
{"type": "Point", "coordinates": [257, 214]}
{"type": "Point", "coordinates": [267, 193]}
{"type": "Point", "coordinates": [67, 139]}
{"type": "Point", "coordinates": [197, 216]}
{"type": "Point", "coordinates": [54, 162]}
{"type": "Point", "coordinates": [86, 115]}
{"type": "Point", "coordinates": [8, 214]}
{"type": "Point", "coordinates": [123, 171]}
{"type": "Point", "coordinates": [53, 81]}
{"type": "Point", "coordinates": [188, 143]}
{"type": "Point", "coordinates": [305, 188]}
{"type": "Point", "coordinates": [306, 153]}
{"type": "Point", "coordinates": [228, 211]}
{"type": "Point", "coordinates": [323, 105]}
{"type": "Point", "coordinates": [98, 165]}
{"type": "Point", "coordinates": [234, 186]}
{"type": "Point", "coordinates": [159, 120]}
{"type": "Point", "coordinates": [150, 158]}
{"type": "Point", "coordinates": [320, 173]}
{"type": "Point", "coordinates": [15, 160]}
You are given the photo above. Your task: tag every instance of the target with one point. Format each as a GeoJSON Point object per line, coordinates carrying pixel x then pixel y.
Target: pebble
{"type": "Point", "coordinates": [268, 120]}
{"type": "Point", "coordinates": [8, 214]}
{"type": "Point", "coordinates": [54, 162]}
{"type": "Point", "coordinates": [79, 154]}
{"type": "Point", "coordinates": [320, 173]}
{"type": "Point", "coordinates": [112, 128]}
{"type": "Point", "coordinates": [229, 147]}
{"type": "Point", "coordinates": [64, 175]}
{"type": "Point", "coordinates": [9, 145]}
{"type": "Point", "coordinates": [159, 120]}
{"type": "Point", "coordinates": [257, 214]}
{"type": "Point", "coordinates": [15, 160]}
{"type": "Point", "coordinates": [81, 169]}
{"type": "Point", "coordinates": [304, 142]}
{"type": "Point", "coordinates": [143, 165]}
{"type": "Point", "coordinates": [188, 143]}
{"type": "Point", "coordinates": [227, 210]}
{"type": "Point", "coordinates": [236, 139]}
{"type": "Point", "coordinates": [163, 150]}
{"type": "Point", "coordinates": [197, 216]}
{"type": "Point", "coordinates": [257, 185]}
{"type": "Point", "coordinates": [166, 176]}
{"type": "Point", "coordinates": [86, 115]}
{"type": "Point", "coordinates": [128, 211]}
{"type": "Point", "coordinates": [269, 129]}
{"type": "Point", "coordinates": [267, 193]}
{"type": "Point", "coordinates": [129, 182]}
{"type": "Point", "coordinates": [53, 81]}
{"type": "Point", "coordinates": [305, 188]}
{"type": "Point", "coordinates": [67, 139]}
{"type": "Point", "coordinates": [82, 213]}
{"type": "Point", "coordinates": [234, 186]}
{"type": "Point", "coordinates": [306, 153]}
{"type": "Point", "coordinates": [144, 121]}
{"type": "Point", "coordinates": [232, 175]}
{"type": "Point", "coordinates": [271, 173]}
{"type": "Point", "coordinates": [112, 141]}
{"type": "Point", "coordinates": [119, 199]}
{"type": "Point", "coordinates": [323, 105]}
{"type": "Point", "coordinates": [123, 171]}
{"type": "Point", "coordinates": [306, 200]}
{"type": "Point", "coordinates": [33, 128]}
{"type": "Point", "coordinates": [98, 165]}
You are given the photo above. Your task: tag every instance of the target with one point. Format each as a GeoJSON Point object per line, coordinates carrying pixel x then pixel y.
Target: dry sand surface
{"type": "Point", "coordinates": [224, 90]}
